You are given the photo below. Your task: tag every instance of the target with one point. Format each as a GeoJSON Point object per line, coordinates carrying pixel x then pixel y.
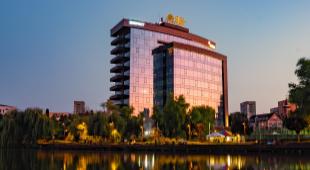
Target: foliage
{"type": "Point", "coordinates": [239, 123]}
{"type": "Point", "coordinates": [27, 127]}
{"type": "Point", "coordinates": [174, 114]}
{"type": "Point", "coordinates": [201, 117]}
{"type": "Point", "coordinates": [300, 93]}
{"type": "Point", "coordinates": [115, 124]}
{"type": "Point", "coordinates": [296, 124]}
{"type": "Point", "coordinates": [98, 125]}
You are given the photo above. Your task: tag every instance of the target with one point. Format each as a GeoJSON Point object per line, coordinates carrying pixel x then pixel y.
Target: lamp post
{"type": "Point", "coordinates": [209, 128]}
{"type": "Point", "coordinates": [243, 128]}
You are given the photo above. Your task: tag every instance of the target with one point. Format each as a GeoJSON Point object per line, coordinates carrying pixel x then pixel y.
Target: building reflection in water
{"type": "Point", "coordinates": [82, 160]}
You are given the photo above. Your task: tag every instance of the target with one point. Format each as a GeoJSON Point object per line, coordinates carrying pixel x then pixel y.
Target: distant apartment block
{"type": "Point", "coordinates": [248, 108]}
{"type": "Point", "coordinates": [284, 108]}
{"type": "Point", "coordinates": [4, 109]}
{"type": "Point", "coordinates": [79, 107]}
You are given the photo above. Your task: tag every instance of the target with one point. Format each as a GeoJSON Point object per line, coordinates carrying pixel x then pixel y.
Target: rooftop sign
{"type": "Point", "coordinates": [176, 20]}
{"type": "Point", "coordinates": [136, 23]}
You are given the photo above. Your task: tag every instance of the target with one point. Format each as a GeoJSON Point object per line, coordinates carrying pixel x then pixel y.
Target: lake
{"type": "Point", "coordinates": [14, 159]}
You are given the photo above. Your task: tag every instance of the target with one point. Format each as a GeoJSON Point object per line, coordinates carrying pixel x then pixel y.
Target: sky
{"type": "Point", "coordinates": [55, 52]}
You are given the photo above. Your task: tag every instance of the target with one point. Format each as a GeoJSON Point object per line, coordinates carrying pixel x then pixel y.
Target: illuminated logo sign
{"type": "Point", "coordinates": [136, 23]}
{"type": "Point", "coordinates": [176, 20]}
{"type": "Point", "coordinates": [211, 44]}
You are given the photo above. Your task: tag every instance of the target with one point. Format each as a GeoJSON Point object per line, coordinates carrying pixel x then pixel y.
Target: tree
{"type": "Point", "coordinates": [109, 107]}
{"type": "Point", "coordinates": [296, 124]}
{"type": "Point", "coordinates": [174, 114]}
{"type": "Point", "coordinates": [98, 125]}
{"type": "Point", "coordinates": [132, 125]}
{"type": "Point", "coordinates": [118, 122]}
{"type": "Point", "coordinates": [201, 117]}
{"type": "Point", "coordinates": [300, 93]}
{"type": "Point", "coordinates": [239, 123]}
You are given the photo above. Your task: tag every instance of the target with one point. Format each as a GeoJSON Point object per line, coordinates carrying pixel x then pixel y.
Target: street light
{"type": "Point", "coordinates": [243, 128]}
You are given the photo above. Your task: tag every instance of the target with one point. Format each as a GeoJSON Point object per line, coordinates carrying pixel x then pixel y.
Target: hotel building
{"type": "Point", "coordinates": [195, 64]}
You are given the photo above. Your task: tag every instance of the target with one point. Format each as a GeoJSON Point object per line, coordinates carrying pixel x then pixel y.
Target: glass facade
{"type": "Point", "coordinates": [142, 42]}
{"type": "Point", "coordinates": [196, 76]}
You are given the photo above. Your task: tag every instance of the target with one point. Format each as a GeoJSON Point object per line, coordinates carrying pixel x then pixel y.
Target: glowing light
{"type": "Point", "coordinates": [136, 23]}
{"type": "Point", "coordinates": [211, 45]}
{"type": "Point", "coordinates": [153, 160]}
{"type": "Point", "coordinates": [177, 20]}
{"type": "Point", "coordinates": [145, 161]}
{"type": "Point", "coordinates": [114, 165]}
{"type": "Point", "coordinates": [228, 160]}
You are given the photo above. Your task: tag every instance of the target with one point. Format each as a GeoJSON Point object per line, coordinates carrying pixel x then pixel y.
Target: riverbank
{"type": "Point", "coordinates": [299, 148]}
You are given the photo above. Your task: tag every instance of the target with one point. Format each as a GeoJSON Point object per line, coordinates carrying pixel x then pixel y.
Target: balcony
{"type": "Point", "coordinates": [119, 49]}
{"type": "Point", "coordinates": [119, 87]}
{"type": "Point", "coordinates": [119, 69]}
{"type": "Point", "coordinates": [119, 97]}
{"type": "Point", "coordinates": [119, 78]}
{"type": "Point", "coordinates": [119, 59]}
{"type": "Point", "coordinates": [119, 40]}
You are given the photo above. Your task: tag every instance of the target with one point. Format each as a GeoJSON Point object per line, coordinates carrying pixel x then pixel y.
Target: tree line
{"type": "Point", "coordinates": [114, 124]}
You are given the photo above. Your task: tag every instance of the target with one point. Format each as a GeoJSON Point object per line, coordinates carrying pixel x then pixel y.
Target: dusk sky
{"type": "Point", "coordinates": [54, 52]}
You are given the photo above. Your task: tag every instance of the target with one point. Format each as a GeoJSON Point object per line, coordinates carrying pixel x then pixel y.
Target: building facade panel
{"type": "Point", "coordinates": [194, 73]}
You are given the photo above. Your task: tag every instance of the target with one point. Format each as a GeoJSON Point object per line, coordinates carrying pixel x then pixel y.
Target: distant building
{"type": "Point", "coordinates": [248, 108]}
{"type": "Point", "coordinates": [4, 109]}
{"type": "Point", "coordinates": [79, 107]}
{"type": "Point", "coordinates": [274, 110]}
{"type": "Point", "coordinates": [284, 108]}
{"type": "Point", "coordinates": [266, 121]}
{"type": "Point", "coordinates": [57, 115]}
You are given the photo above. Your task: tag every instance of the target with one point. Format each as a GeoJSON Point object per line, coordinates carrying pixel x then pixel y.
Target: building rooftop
{"type": "Point", "coordinates": [162, 27]}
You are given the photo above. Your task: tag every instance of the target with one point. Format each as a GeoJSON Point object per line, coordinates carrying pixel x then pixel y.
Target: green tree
{"type": "Point", "coordinates": [98, 125]}
{"type": "Point", "coordinates": [201, 117]}
{"type": "Point", "coordinates": [132, 124]}
{"type": "Point", "coordinates": [300, 93]}
{"type": "Point", "coordinates": [296, 124]}
{"type": "Point", "coordinates": [239, 123]}
{"type": "Point", "coordinates": [18, 128]}
{"type": "Point", "coordinates": [118, 122]}
{"type": "Point", "coordinates": [110, 107]}
{"type": "Point", "coordinates": [174, 115]}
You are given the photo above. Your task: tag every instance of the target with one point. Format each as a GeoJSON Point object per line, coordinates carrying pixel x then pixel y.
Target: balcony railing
{"type": "Point", "coordinates": [119, 59]}
{"type": "Point", "coordinates": [119, 49]}
{"type": "Point", "coordinates": [119, 69]}
{"type": "Point", "coordinates": [119, 87]}
{"type": "Point", "coordinates": [120, 40]}
{"type": "Point", "coordinates": [118, 78]}
{"type": "Point", "coordinates": [119, 97]}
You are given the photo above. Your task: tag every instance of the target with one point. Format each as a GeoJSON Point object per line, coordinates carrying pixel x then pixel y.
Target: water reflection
{"type": "Point", "coordinates": [56, 160]}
